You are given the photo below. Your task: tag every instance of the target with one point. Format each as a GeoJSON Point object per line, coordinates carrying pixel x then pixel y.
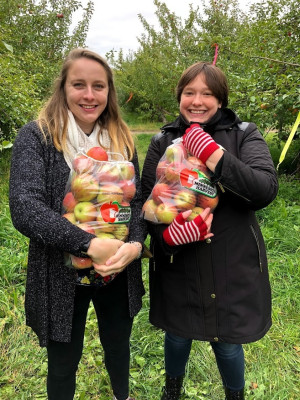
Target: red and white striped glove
{"type": "Point", "coordinates": [181, 232]}
{"type": "Point", "coordinates": [199, 143]}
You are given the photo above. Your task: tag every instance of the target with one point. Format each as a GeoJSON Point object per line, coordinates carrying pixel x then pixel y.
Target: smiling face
{"type": "Point", "coordinates": [197, 102]}
{"type": "Point", "coordinates": [86, 91]}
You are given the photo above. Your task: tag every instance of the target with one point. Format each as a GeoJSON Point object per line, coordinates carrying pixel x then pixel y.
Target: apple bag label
{"type": "Point", "coordinates": [197, 181]}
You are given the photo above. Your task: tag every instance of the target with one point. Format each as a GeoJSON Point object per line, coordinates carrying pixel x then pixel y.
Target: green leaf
{"type": "Point", "coordinates": [8, 46]}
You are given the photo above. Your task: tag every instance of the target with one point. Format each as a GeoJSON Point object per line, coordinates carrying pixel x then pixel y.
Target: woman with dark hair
{"type": "Point", "coordinates": [81, 113]}
{"type": "Point", "coordinates": [214, 289]}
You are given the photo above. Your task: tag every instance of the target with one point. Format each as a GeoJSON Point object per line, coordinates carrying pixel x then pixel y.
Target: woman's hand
{"type": "Point", "coordinates": [124, 256]}
{"type": "Point", "coordinates": [181, 231]}
{"type": "Point", "coordinates": [100, 250]}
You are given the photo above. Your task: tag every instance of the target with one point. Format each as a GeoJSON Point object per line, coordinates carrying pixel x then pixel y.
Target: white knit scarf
{"type": "Point", "coordinates": [78, 141]}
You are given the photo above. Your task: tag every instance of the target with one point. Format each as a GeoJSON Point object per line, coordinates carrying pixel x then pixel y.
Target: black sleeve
{"type": "Point", "coordinates": [251, 177]}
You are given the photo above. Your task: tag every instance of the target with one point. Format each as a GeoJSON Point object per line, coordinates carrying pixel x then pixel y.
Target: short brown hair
{"type": "Point", "coordinates": [215, 80]}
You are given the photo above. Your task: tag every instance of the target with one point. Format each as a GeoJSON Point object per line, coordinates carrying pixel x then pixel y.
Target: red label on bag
{"type": "Point", "coordinates": [197, 181]}
{"type": "Point", "coordinates": [115, 213]}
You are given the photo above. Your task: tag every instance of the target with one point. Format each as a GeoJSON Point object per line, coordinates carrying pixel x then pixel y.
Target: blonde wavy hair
{"type": "Point", "coordinates": [53, 117]}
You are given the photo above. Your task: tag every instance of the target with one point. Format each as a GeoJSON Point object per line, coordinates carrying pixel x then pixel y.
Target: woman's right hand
{"type": "Point", "coordinates": [100, 250]}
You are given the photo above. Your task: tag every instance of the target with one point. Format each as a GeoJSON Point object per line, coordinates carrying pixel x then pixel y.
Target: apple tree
{"type": "Point", "coordinates": [34, 36]}
{"type": "Point", "coordinates": [257, 49]}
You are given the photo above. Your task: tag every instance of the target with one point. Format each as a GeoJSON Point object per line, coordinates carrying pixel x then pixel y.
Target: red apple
{"type": "Point", "coordinates": [80, 262]}
{"type": "Point", "coordinates": [205, 201]}
{"type": "Point", "coordinates": [172, 172]}
{"type": "Point", "coordinates": [194, 162]}
{"type": "Point", "coordinates": [161, 168]}
{"type": "Point", "coordinates": [84, 187]}
{"type": "Point", "coordinates": [59, 15]}
{"type": "Point", "coordinates": [126, 170]}
{"type": "Point", "coordinates": [195, 212]}
{"type": "Point", "coordinates": [166, 212]}
{"type": "Point", "coordinates": [185, 199]}
{"type": "Point", "coordinates": [85, 211]}
{"type": "Point", "coordinates": [107, 172]}
{"type": "Point", "coordinates": [109, 193]}
{"type": "Point", "coordinates": [97, 153]}
{"type": "Point", "coordinates": [149, 210]}
{"type": "Point", "coordinates": [70, 217]}
{"type": "Point", "coordinates": [175, 152]}
{"type": "Point", "coordinates": [160, 192]}
{"type": "Point", "coordinates": [128, 188]}
{"type": "Point", "coordinates": [82, 164]}
{"type": "Point", "coordinates": [69, 202]}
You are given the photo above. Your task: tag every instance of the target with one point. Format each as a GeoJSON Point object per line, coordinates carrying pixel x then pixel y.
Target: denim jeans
{"type": "Point", "coordinates": [111, 306]}
{"type": "Point", "coordinates": [229, 357]}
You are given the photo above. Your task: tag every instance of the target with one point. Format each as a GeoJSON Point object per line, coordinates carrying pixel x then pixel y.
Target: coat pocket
{"type": "Point", "coordinates": [254, 233]}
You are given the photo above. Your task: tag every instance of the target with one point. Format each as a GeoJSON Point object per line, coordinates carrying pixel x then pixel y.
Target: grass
{"type": "Point", "coordinates": [272, 364]}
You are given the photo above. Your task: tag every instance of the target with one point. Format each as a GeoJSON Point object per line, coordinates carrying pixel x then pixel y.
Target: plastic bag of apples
{"type": "Point", "coordinates": [97, 197]}
{"type": "Point", "coordinates": [183, 183]}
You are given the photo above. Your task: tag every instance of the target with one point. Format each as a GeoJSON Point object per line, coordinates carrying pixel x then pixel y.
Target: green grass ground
{"type": "Point", "coordinates": [272, 364]}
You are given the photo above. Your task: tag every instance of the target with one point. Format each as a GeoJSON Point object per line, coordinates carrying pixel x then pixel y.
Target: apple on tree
{"type": "Point", "coordinates": [85, 211]}
{"type": "Point", "coordinates": [166, 212]}
{"type": "Point", "coordinates": [84, 187]}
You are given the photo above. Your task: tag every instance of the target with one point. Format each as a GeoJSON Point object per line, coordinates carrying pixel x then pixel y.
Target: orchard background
{"type": "Point", "coordinates": [259, 52]}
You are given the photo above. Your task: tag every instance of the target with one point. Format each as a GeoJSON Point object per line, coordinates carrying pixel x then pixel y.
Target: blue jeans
{"type": "Point", "coordinates": [229, 357]}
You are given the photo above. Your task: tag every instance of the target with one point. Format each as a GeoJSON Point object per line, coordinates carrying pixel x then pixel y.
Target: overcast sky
{"type": "Point", "coordinates": [115, 23]}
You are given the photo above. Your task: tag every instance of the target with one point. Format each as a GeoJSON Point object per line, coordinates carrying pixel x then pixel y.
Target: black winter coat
{"type": "Point", "coordinates": [217, 290]}
{"type": "Point", "coordinates": [38, 179]}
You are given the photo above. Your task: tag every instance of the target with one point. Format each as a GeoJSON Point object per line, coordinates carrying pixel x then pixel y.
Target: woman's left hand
{"type": "Point", "coordinates": [118, 262]}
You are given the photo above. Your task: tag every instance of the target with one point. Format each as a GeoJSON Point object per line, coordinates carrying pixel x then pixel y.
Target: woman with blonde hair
{"type": "Point", "coordinates": [81, 113]}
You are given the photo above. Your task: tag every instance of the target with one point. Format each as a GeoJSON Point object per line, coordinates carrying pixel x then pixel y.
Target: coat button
{"type": "Point", "coordinates": [213, 296]}
{"type": "Point", "coordinates": [208, 240]}
{"type": "Point", "coordinates": [216, 339]}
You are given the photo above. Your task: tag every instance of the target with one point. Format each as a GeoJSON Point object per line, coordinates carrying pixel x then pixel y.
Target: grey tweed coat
{"type": "Point", "coordinates": [38, 178]}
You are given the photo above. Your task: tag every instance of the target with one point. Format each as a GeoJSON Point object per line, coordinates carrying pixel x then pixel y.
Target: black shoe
{"type": "Point", "coordinates": [172, 390]}
{"type": "Point", "coordinates": [234, 395]}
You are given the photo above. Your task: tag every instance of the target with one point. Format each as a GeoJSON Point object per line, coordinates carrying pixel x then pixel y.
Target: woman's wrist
{"type": "Point", "coordinates": [139, 246]}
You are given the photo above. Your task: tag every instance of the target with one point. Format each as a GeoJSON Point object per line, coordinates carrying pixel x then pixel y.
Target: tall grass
{"type": "Point", "coordinates": [272, 364]}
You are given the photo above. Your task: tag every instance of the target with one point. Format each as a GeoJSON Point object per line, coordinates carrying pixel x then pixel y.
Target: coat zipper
{"type": "Point", "coordinates": [258, 248]}
{"type": "Point", "coordinates": [223, 187]}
